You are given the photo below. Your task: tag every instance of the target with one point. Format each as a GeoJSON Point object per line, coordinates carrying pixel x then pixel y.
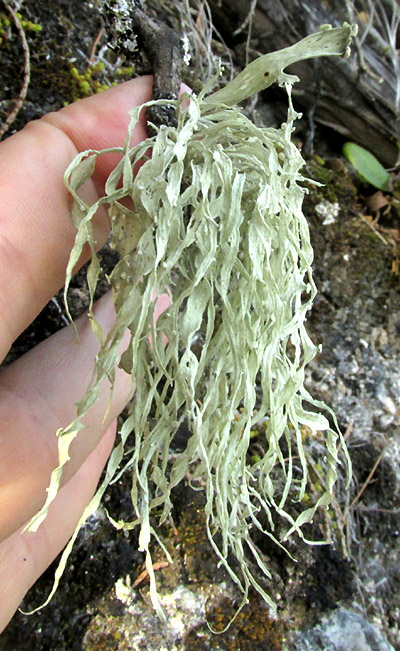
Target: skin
{"type": "Point", "coordinates": [38, 391]}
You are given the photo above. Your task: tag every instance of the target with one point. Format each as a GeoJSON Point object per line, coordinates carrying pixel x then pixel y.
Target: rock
{"type": "Point", "coordinates": [343, 630]}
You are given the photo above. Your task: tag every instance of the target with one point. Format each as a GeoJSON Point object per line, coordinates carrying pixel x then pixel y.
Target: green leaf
{"type": "Point", "coordinates": [368, 167]}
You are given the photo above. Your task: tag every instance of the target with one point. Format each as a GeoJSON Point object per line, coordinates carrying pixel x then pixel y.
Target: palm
{"type": "Point", "coordinates": [39, 390]}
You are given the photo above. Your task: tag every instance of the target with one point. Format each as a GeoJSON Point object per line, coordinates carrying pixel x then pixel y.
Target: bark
{"type": "Point", "coordinates": [341, 94]}
{"type": "Point", "coordinates": [127, 25]}
{"type": "Point", "coordinates": [163, 47]}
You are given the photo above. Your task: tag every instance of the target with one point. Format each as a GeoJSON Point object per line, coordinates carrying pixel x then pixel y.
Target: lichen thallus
{"type": "Point", "coordinates": [218, 221]}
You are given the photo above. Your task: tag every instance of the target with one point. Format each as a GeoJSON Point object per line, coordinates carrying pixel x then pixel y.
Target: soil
{"type": "Point", "coordinates": [103, 599]}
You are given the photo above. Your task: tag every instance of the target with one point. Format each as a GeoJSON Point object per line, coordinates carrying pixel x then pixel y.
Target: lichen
{"type": "Point", "coordinates": [218, 224]}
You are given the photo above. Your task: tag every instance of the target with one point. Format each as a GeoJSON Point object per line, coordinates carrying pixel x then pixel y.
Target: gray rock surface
{"type": "Point", "coordinates": [343, 630]}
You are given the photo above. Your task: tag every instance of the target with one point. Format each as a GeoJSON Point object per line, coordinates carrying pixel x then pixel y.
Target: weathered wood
{"type": "Point", "coordinates": [128, 24]}
{"type": "Point", "coordinates": [357, 104]}
{"type": "Point", "coordinates": [163, 47]}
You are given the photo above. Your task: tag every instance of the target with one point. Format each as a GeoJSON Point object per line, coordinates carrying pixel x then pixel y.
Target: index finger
{"type": "Point", "coordinates": [36, 230]}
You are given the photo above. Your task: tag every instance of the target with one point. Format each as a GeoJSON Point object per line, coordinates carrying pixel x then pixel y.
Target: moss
{"type": "Point", "coordinates": [27, 25]}
{"type": "Point", "coordinates": [337, 186]}
{"type": "Point", "coordinates": [126, 71]}
{"type": "Point", "coordinates": [88, 82]}
{"type": "Point", "coordinates": [195, 547]}
{"type": "Point", "coordinates": [252, 629]}
{"type": "Point", "coordinates": [6, 24]}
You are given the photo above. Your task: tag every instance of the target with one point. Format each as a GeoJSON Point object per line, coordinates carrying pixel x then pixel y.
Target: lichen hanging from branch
{"type": "Point", "coordinates": [218, 224]}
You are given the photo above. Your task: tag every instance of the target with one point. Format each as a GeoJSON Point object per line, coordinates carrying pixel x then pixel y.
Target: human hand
{"type": "Point", "coordinates": [39, 390]}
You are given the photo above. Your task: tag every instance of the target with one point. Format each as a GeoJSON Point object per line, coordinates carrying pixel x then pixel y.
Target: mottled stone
{"type": "Point", "coordinates": [343, 630]}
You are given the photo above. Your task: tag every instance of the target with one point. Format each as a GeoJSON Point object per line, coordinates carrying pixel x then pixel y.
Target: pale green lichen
{"type": "Point", "coordinates": [218, 224]}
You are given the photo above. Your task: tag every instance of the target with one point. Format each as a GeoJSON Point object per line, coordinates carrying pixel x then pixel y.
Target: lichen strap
{"type": "Point", "coordinates": [218, 223]}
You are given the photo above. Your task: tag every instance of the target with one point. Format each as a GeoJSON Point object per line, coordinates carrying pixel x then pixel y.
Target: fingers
{"type": "Point", "coordinates": [27, 555]}
{"type": "Point", "coordinates": [38, 396]}
{"type": "Point", "coordinates": [36, 230]}
{"type": "Point", "coordinates": [39, 392]}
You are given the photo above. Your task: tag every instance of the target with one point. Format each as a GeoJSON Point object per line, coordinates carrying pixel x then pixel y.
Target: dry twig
{"type": "Point", "coordinates": [143, 575]}
{"type": "Point", "coordinates": [95, 44]}
{"type": "Point", "coordinates": [367, 481]}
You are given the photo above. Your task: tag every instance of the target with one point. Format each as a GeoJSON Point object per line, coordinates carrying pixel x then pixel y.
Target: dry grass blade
{"type": "Point", "coordinates": [367, 481]}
